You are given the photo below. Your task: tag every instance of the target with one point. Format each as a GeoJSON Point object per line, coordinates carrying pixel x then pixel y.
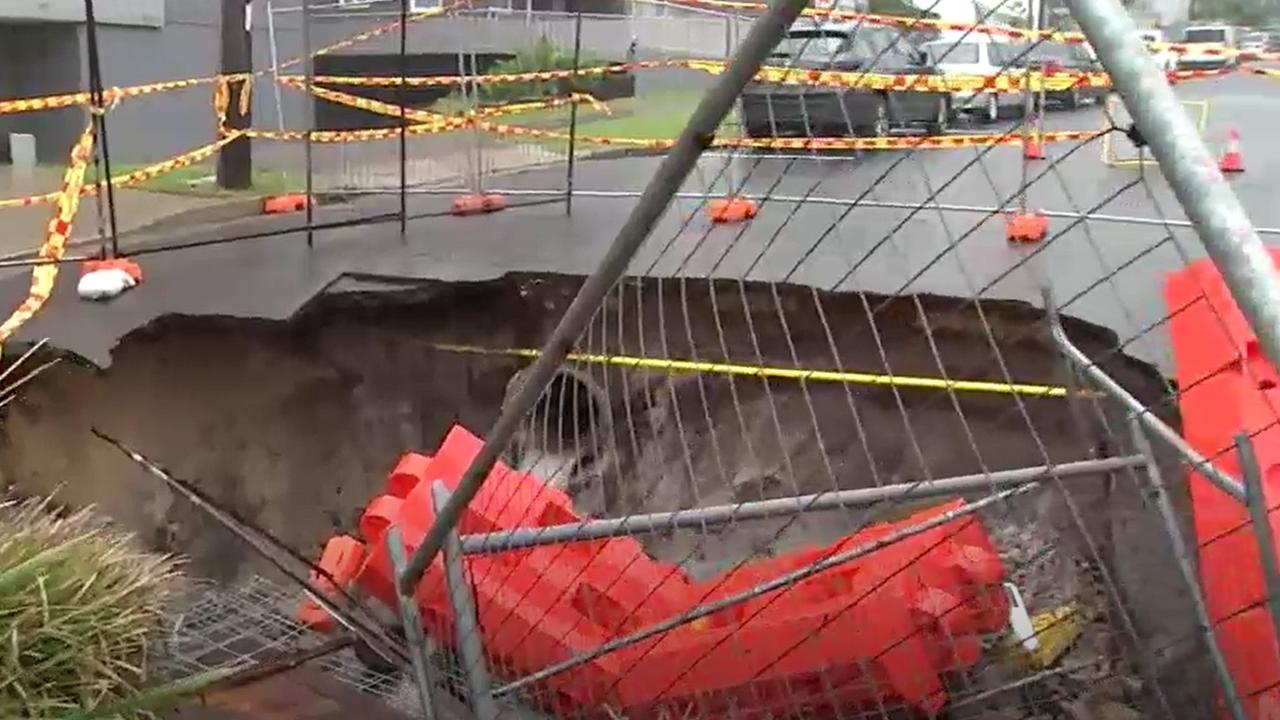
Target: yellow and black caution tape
{"type": "Point", "coordinates": [135, 177]}
{"type": "Point", "coordinates": [490, 79]}
{"type": "Point", "coordinates": [109, 95]}
{"type": "Point", "coordinates": [55, 241]}
{"type": "Point", "coordinates": [1004, 31]}
{"type": "Point", "coordinates": [439, 123]}
{"type": "Point", "coordinates": [801, 374]}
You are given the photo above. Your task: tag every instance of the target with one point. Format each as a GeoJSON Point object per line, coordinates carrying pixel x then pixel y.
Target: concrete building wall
{"type": "Point", "coordinates": [47, 58]}
{"type": "Point", "coordinates": [145, 13]}
{"type": "Point", "coordinates": [154, 127]}
{"type": "Point", "coordinates": [41, 59]}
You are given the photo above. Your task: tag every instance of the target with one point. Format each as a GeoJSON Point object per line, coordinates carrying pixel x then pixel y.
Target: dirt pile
{"type": "Point", "coordinates": [294, 425]}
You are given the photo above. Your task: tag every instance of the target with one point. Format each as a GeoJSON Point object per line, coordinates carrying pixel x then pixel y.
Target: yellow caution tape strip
{"type": "Point", "coordinates": [140, 175]}
{"type": "Point", "coordinates": [433, 122]}
{"type": "Point", "coordinates": [55, 242]}
{"type": "Point", "coordinates": [414, 16]}
{"type": "Point", "coordinates": [109, 95]}
{"type": "Point", "coordinates": [491, 79]}
{"type": "Point", "coordinates": [1006, 31]}
{"type": "Point", "coordinates": [801, 374]}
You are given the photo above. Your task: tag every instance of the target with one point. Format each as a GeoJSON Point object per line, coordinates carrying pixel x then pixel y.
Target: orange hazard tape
{"type": "Point", "coordinates": [498, 78]}
{"type": "Point", "coordinates": [938, 142]}
{"type": "Point", "coordinates": [140, 175]}
{"type": "Point", "coordinates": [1013, 33]}
{"type": "Point", "coordinates": [55, 241]}
{"type": "Point", "coordinates": [414, 16]}
{"type": "Point", "coordinates": [842, 143]}
{"type": "Point", "coordinates": [1002, 83]}
{"type": "Point", "coordinates": [109, 95]}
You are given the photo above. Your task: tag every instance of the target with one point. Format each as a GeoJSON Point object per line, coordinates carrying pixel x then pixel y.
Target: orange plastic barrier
{"type": "Point", "coordinates": [1228, 387]}
{"type": "Point", "coordinates": [877, 630]}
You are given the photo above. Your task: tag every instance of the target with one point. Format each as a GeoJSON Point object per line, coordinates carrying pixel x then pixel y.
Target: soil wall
{"type": "Point", "coordinates": [293, 425]}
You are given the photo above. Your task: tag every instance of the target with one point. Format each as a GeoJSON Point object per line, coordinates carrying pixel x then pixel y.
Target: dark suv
{"type": "Point", "coordinates": [777, 109]}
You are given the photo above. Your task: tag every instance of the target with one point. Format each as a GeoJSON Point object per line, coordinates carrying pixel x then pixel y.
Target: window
{"type": "Point", "coordinates": [812, 44]}
{"type": "Point", "coordinates": [1206, 35]}
{"type": "Point", "coordinates": [946, 53]}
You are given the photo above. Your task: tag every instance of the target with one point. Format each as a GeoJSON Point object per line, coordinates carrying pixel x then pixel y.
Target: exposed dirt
{"type": "Point", "coordinates": [294, 425]}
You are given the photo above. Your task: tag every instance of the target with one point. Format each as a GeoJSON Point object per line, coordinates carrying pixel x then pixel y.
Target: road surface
{"type": "Point", "coordinates": [907, 246]}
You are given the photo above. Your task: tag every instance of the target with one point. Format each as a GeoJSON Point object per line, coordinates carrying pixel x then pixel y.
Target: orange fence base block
{"type": "Point", "coordinates": [1032, 150]}
{"type": "Point", "coordinates": [342, 559]}
{"type": "Point", "coordinates": [1027, 227]}
{"type": "Point", "coordinates": [478, 204]}
{"type": "Point", "coordinates": [731, 210]}
{"type": "Point", "coordinates": [294, 202]}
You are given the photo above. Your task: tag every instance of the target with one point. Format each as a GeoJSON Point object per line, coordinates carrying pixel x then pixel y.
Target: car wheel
{"type": "Point", "coordinates": [1073, 100]}
{"type": "Point", "coordinates": [942, 118]}
{"type": "Point", "coordinates": [992, 112]}
{"type": "Point", "coordinates": [881, 126]}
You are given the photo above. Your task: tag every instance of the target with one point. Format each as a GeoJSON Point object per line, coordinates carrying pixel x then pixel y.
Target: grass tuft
{"type": "Point", "coordinates": [80, 607]}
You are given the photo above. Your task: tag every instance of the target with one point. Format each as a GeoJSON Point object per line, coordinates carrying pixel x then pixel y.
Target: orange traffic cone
{"type": "Point", "coordinates": [1032, 136]}
{"type": "Point", "coordinates": [1032, 149]}
{"type": "Point", "coordinates": [1232, 161]}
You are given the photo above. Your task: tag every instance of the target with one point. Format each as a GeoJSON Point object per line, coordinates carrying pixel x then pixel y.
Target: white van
{"type": "Point", "coordinates": [977, 55]}
{"type": "Point", "coordinates": [1206, 44]}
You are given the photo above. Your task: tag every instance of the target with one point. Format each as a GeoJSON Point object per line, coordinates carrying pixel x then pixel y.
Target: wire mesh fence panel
{"type": "Point", "coordinates": [854, 433]}
{"type": "Point", "coordinates": [884, 322]}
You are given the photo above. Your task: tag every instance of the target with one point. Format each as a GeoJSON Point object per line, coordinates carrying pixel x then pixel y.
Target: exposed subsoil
{"type": "Point", "coordinates": [293, 425]}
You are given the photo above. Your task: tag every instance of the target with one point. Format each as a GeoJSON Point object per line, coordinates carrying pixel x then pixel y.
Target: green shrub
{"type": "Point", "coordinates": [79, 609]}
{"type": "Point", "coordinates": [542, 55]}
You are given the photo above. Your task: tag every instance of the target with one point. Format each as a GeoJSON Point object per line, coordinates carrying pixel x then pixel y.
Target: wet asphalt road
{"type": "Point", "coordinates": [893, 242]}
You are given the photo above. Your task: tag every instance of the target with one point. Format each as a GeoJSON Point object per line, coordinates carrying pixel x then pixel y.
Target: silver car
{"type": "Point", "coordinates": [977, 55]}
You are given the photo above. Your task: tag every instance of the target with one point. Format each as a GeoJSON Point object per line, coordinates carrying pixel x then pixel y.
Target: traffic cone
{"type": "Point", "coordinates": [1032, 147]}
{"type": "Point", "coordinates": [1232, 161]}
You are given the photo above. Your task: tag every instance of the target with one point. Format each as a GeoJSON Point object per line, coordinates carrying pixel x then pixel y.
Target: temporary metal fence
{"type": "Point", "coordinates": [715, 470]}
{"type": "Point", "coordinates": [885, 332]}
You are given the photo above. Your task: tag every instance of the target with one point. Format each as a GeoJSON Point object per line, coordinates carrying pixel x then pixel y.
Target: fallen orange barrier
{"type": "Point", "coordinates": [280, 204]}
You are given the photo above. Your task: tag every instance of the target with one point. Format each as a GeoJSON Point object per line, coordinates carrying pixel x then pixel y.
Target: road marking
{"type": "Point", "coordinates": [800, 374]}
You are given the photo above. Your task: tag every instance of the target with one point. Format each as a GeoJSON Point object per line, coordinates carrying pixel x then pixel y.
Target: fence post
{"type": "Point", "coordinates": [413, 631]}
{"type": "Point", "coordinates": [1186, 566]}
{"type": "Point", "coordinates": [1185, 162]}
{"type": "Point", "coordinates": [463, 603]}
{"type": "Point", "coordinates": [1256, 500]}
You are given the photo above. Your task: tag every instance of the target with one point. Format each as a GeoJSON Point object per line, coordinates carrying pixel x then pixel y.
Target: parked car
{"type": "Point", "coordinates": [977, 55]}
{"type": "Point", "coordinates": [1164, 58]}
{"type": "Point", "coordinates": [1261, 42]}
{"type": "Point", "coordinates": [770, 108]}
{"type": "Point", "coordinates": [1071, 57]}
{"type": "Point", "coordinates": [1205, 44]}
